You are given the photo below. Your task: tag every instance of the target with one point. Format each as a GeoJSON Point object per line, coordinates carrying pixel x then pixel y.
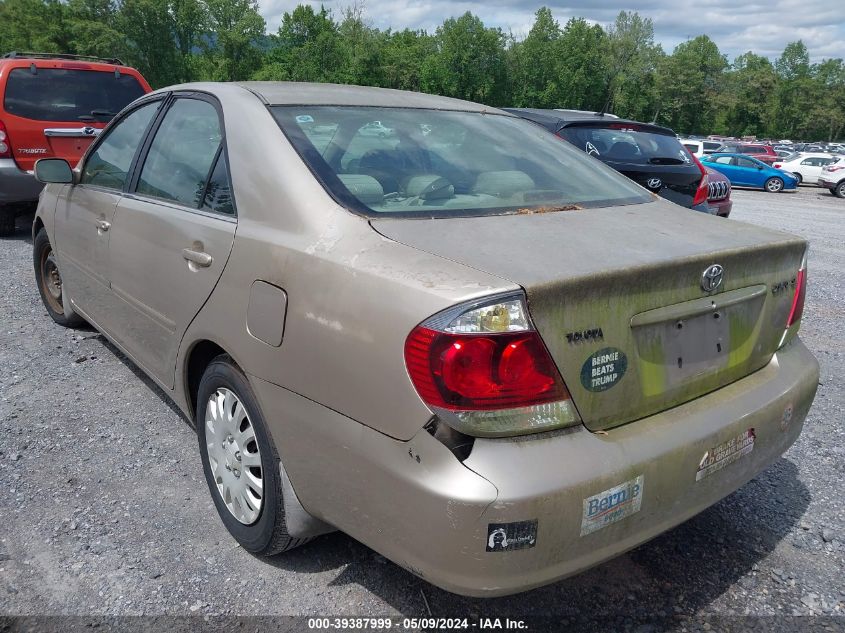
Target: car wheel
{"type": "Point", "coordinates": [49, 281]}
{"type": "Point", "coordinates": [7, 222]}
{"type": "Point", "coordinates": [798, 177]}
{"type": "Point", "coordinates": [240, 462]}
{"type": "Point", "coordinates": [773, 185]}
{"type": "Point", "coordinates": [839, 190]}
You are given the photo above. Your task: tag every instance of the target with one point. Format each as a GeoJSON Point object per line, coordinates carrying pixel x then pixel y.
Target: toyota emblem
{"type": "Point", "coordinates": [711, 278]}
{"type": "Point", "coordinates": [654, 183]}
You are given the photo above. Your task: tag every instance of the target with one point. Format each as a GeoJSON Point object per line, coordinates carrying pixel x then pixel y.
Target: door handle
{"type": "Point", "coordinates": [103, 226]}
{"type": "Point", "coordinates": [197, 257]}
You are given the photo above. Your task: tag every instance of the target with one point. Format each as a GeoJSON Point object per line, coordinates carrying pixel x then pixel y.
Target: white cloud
{"type": "Point", "coordinates": [762, 26]}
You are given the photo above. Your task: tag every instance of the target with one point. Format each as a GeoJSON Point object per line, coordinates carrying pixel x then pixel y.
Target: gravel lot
{"type": "Point", "coordinates": [105, 510]}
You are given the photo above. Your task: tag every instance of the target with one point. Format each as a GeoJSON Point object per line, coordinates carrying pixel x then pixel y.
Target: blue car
{"type": "Point", "coordinates": [744, 171]}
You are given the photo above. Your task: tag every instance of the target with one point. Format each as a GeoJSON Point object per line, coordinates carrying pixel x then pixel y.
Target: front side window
{"type": "Point", "coordinates": [108, 165]}
{"type": "Point", "coordinates": [61, 94]}
{"type": "Point", "coordinates": [436, 163]}
{"type": "Point", "coordinates": [180, 157]}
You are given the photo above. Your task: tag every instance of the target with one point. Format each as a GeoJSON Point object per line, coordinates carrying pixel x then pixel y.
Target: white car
{"type": "Point", "coordinates": [833, 177]}
{"type": "Point", "coordinates": [700, 147]}
{"type": "Point", "coordinates": [806, 167]}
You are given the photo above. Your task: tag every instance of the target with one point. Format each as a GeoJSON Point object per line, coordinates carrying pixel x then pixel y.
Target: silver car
{"type": "Point", "coordinates": [468, 345]}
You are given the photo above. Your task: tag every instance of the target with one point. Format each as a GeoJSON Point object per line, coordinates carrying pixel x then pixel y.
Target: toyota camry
{"type": "Point", "coordinates": [465, 343]}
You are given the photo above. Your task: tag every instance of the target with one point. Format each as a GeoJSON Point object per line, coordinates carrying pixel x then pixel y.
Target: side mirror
{"type": "Point", "coordinates": [760, 167]}
{"type": "Point", "coordinates": [55, 170]}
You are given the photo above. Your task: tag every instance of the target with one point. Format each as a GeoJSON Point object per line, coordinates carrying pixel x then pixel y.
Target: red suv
{"type": "Point", "coordinates": [760, 151]}
{"type": "Point", "coordinates": [53, 106]}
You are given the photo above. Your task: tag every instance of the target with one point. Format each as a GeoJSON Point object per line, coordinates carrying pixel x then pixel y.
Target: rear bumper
{"type": "Point", "coordinates": [828, 184]}
{"type": "Point", "coordinates": [419, 506]}
{"type": "Point", "coordinates": [16, 185]}
{"type": "Point", "coordinates": [722, 207]}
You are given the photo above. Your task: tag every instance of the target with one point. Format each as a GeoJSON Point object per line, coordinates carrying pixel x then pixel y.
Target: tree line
{"type": "Point", "coordinates": [620, 69]}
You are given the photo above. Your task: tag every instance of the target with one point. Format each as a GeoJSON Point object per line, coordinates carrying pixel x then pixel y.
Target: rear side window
{"type": "Point", "coordinates": [109, 164]}
{"type": "Point", "coordinates": [627, 143]}
{"type": "Point", "coordinates": [60, 94]}
{"type": "Point", "coordinates": [746, 162]}
{"type": "Point", "coordinates": [181, 155]}
{"type": "Point", "coordinates": [218, 192]}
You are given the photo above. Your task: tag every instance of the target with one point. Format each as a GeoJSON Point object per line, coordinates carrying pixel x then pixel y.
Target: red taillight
{"type": "Point", "coordinates": [482, 372]}
{"type": "Point", "coordinates": [5, 145]}
{"type": "Point", "coordinates": [483, 369]}
{"type": "Point", "coordinates": [777, 165]}
{"type": "Point", "coordinates": [700, 193]}
{"type": "Point", "coordinates": [797, 309]}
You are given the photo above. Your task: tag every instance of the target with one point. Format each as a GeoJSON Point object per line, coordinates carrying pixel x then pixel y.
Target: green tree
{"type": "Point", "coordinates": [469, 62]}
{"type": "Point", "coordinates": [633, 58]}
{"type": "Point", "coordinates": [688, 85]}
{"type": "Point", "coordinates": [745, 99]}
{"type": "Point", "coordinates": [793, 94]}
{"type": "Point", "coordinates": [403, 55]}
{"type": "Point", "coordinates": [34, 25]}
{"type": "Point", "coordinates": [307, 47]}
{"type": "Point", "coordinates": [236, 26]}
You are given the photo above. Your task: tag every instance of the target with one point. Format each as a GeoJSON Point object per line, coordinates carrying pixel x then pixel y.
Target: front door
{"type": "Point", "coordinates": [171, 235]}
{"type": "Point", "coordinates": [85, 212]}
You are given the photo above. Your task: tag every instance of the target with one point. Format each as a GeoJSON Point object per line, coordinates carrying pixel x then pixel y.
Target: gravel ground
{"type": "Point", "coordinates": [105, 510]}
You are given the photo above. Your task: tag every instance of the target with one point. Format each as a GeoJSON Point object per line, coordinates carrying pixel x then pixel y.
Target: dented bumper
{"type": "Point", "coordinates": [523, 512]}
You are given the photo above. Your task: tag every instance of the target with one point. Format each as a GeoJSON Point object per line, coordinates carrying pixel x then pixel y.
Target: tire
{"type": "Point", "coordinates": [839, 190]}
{"type": "Point", "coordinates": [259, 527]}
{"type": "Point", "coordinates": [49, 282]}
{"type": "Point", "coordinates": [7, 222]}
{"type": "Point", "coordinates": [799, 178]}
{"type": "Point", "coordinates": [773, 185]}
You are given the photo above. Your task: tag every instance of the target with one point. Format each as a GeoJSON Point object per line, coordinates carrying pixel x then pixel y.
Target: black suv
{"type": "Point", "coordinates": [650, 155]}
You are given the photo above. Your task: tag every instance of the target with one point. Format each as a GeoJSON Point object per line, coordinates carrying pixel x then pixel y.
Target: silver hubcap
{"type": "Point", "coordinates": [233, 456]}
{"type": "Point", "coordinates": [774, 185]}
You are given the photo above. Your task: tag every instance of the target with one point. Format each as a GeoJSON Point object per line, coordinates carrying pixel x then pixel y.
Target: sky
{"type": "Point", "coordinates": [737, 26]}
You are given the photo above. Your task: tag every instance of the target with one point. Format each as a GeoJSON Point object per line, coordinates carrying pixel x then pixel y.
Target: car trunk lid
{"type": "Point", "coordinates": [618, 296]}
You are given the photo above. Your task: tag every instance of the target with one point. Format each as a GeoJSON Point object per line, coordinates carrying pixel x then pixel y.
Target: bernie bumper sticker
{"type": "Point", "coordinates": [612, 505]}
{"type": "Point", "coordinates": [503, 537]}
{"type": "Point", "coordinates": [603, 369]}
{"type": "Point", "coordinates": [725, 453]}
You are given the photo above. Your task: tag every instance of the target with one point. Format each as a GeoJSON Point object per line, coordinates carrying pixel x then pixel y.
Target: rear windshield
{"type": "Point", "coordinates": [436, 163]}
{"type": "Point", "coordinates": [626, 143]}
{"type": "Point", "coordinates": [60, 94]}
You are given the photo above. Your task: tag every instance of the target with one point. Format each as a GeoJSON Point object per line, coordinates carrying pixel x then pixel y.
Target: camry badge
{"type": "Point", "coordinates": [711, 278]}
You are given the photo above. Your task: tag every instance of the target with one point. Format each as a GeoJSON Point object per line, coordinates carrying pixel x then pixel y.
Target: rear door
{"type": "Point", "coordinates": [172, 234]}
{"type": "Point", "coordinates": [56, 109]}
